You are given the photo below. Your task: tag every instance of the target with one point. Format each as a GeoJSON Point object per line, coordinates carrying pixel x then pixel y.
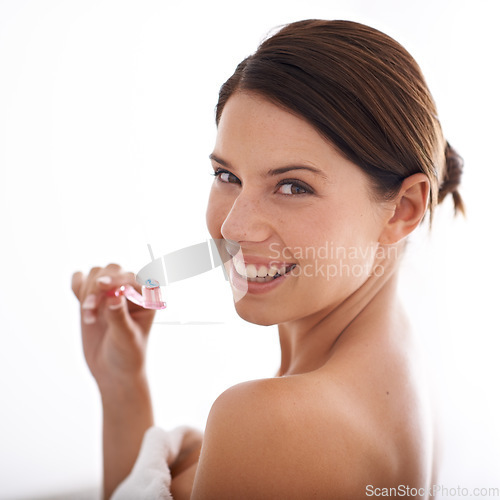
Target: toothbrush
{"type": "Point", "coordinates": [150, 298]}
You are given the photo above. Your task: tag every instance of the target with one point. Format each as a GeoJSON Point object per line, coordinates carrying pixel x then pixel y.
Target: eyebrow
{"type": "Point", "coordinates": [274, 171]}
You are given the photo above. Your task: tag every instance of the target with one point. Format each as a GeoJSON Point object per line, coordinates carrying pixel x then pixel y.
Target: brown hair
{"type": "Point", "coordinates": [364, 93]}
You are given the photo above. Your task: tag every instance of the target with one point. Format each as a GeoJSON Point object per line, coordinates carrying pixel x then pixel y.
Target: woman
{"type": "Point", "coordinates": [329, 153]}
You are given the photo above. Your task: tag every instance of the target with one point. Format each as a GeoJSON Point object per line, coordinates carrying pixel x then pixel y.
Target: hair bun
{"type": "Point", "coordinates": [452, 178]}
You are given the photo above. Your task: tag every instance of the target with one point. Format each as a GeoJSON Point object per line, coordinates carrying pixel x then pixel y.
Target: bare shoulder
{"type": "Point", "coordinates": [291, 437]}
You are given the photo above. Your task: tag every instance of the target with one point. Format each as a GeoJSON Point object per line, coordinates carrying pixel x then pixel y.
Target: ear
{"type": "Point", "coordinates": [407, 209]}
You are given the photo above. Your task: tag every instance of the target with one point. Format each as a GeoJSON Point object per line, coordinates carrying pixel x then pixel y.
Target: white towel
{"type": "Point", "coordinates": [150, 477]}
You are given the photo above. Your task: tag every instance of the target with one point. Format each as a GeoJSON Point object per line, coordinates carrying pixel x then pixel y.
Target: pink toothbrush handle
{"type": "Point", "coordinates": [150, 298]}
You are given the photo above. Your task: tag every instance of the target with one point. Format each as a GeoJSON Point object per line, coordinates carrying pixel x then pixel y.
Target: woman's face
{"type": "Point", "coordinates": [306, 227]}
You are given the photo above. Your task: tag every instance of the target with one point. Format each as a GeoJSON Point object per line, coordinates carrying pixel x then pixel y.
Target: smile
{"type": "Point", "coordinates": [261, 273]}
{"type": "Point", "coordinates": [258, 277]}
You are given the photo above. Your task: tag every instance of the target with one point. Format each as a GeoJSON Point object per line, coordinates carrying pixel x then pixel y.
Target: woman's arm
{"type": "Point", "coordinates": [114, 337]}
{"type": "Point", "coordinates": [184, 468]}
{"type": "Point", "coordinates": [127, 414]}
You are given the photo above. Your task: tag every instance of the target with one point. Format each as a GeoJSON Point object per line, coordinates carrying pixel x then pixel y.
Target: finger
{"type": "Point", "coordinates": [110, 281]}
{"type": "Point", "coordinates": [93, 288]}
{"type": "Point", "coordinates": [99, 284]}
{"type": "Point", "coordinates": [76, 283]}
{"type": "Point", "coordinates": [117, 314]}
{"type": "Point", "coordinates": [88, 293]}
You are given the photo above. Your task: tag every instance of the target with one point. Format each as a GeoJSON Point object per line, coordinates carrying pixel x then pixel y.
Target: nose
{"type": "Point", "coordinates": [246, 221]}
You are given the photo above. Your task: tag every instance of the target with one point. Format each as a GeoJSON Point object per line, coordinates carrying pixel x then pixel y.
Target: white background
{"type": "Point", "coordinates": [106, 123]}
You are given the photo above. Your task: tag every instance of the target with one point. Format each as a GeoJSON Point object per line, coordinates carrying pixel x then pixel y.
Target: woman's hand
{"type": "Point", "coordinates": [114, 335]}
{"type": "Point", "coordinates": [114, 331]}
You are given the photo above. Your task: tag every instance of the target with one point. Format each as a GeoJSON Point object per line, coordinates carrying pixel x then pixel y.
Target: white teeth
{"type": "Point", "coordinates": [240, 267]}
{"type": "Point", "coordinates": [273, 270]}
{"type": "Point", "coordinates": [251, 271]}
{"type": "Point", "coordinates": [262, 272]}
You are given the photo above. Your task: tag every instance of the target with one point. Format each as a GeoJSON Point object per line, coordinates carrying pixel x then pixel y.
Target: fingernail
{"type": "Point", "coordinates": [88, 317]}
{"type": "Point", "coordinates": [105, 280]}
{"type": "Point", "coordinates": [89, 302]}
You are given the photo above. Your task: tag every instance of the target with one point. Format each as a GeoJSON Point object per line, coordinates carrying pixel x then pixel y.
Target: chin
{"type": "Point", "coordinates": [256, 314]}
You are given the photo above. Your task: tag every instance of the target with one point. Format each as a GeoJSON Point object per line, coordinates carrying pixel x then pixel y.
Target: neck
{"type": "Point", "coordinates": [307, 343]}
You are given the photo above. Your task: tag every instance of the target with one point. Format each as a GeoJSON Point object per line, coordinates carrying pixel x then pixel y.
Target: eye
{"type": "Point", "coordinates": [293, 187]}
{"type": "Point", "coordinates": [226, 176]}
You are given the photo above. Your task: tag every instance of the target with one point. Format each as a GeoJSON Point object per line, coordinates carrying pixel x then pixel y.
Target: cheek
{"type": "Point", "coordinates": [325, 224]}
{"type": "Point", "coordinates": [337, 246]}
{"type": "Point", "coordinates": [346, 223]}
